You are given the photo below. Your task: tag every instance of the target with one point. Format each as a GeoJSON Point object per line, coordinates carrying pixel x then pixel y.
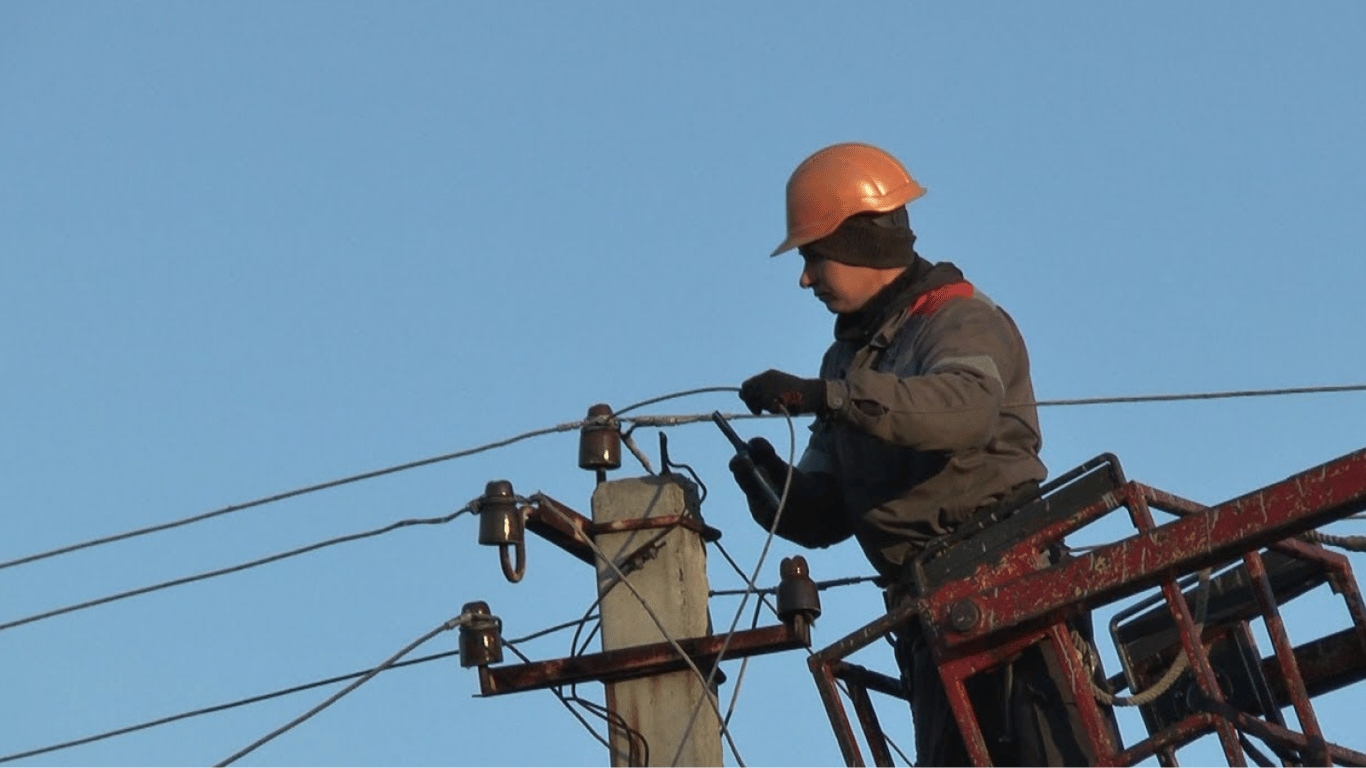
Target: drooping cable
{"type": "Point", "coordinates": [658, 421]}
{"type": "Point", "coordinates": [461, 620]}
{"type": "Point", "coordinates": [1169, 677]}
{"type": "Point", "coordinates": [273, 695]}
{"type": "Point", "coordinates": [234, 568]}
{"type": "Point", "coordinates": [564, 700]}
{"type": "Point", "coordinates": [744, 665]}
{"type": "Point", "coordinates": [637, 746]}
{"type": "Point", "coordinates": [672, 396]}
{"type": "Point", "coordinates": [750, 587]}
{"type": "Point", "coordinates": [288, 495]}
{"type": "Point", "coordinates": [654, 617]}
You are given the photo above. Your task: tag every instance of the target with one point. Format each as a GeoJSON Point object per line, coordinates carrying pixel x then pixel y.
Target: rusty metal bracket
{"type": "Point", "coordinates": [574, 533]}
{"type": "Point", "coordinates": [561, 526]}
{"type": "Point", "coordinates": [708, 533]}
{"type": "Point", "coordinates": [1217, 535]}
{"type": "Point", "coordinates": [641, 661]}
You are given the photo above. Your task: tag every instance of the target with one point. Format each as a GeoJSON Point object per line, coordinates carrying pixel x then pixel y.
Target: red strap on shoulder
{"type": "Point", "coordinates": [929, 302]}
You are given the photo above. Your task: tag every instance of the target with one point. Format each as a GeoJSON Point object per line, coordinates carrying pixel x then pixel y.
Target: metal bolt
{"type": "Point", "coordinates": [964, 615]}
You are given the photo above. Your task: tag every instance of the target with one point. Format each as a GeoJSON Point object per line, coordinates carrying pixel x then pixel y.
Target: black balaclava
{"type": "Point", "coordinates": [882, 241]}
{"type": "Point", "coordinates": [879, 240]}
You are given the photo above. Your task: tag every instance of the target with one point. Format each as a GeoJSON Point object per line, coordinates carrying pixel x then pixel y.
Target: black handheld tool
{"type": "Point", "coordinates": [742, 453]}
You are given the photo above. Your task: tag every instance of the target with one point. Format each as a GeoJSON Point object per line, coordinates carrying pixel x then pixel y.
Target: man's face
{"type": "Point", "coordinates": [843, 288]}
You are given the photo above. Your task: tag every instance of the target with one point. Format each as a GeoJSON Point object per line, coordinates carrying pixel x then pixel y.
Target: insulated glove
{"type": "Point", "coordinates": [774, 391]}
{"type": "Point", "coordinates": [774, 470]}
{"type": "Point", "coordinates": [812, 515]}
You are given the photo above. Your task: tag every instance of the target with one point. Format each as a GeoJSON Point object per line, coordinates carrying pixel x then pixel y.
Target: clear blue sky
{"type": "Point", "coordinates": [249, 247]}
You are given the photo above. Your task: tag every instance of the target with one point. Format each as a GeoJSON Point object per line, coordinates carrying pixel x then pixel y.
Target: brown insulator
{"type": "Point", "coordinates": [500, 521]}
{"type": "Point", "coordinates": [481, 636]}
{"type": "Point", "coordinates": [797, 593]}
{"type": "Point", "coordinates": [503, 525]}
{"type": "Point", "coordinates": [600, 442]}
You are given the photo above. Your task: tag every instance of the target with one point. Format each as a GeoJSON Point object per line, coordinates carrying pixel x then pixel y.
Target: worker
{"type": "Point", "coordinates": [924, 418]}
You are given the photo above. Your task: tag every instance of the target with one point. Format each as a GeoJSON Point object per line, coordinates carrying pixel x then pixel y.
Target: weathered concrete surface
{"type": "Point", "coordinates": [667, 567]}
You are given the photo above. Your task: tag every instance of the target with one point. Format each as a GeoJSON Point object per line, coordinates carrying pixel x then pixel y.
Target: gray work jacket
{"type": "Point", "coordinates": [930, 419]}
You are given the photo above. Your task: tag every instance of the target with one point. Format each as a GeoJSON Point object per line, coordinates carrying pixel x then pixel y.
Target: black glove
{"type": "Point", "coordinates": [812, 514]}
{"type": "Point", "coordinates": [771, 470]}
{"type": "Point", "coordinates": [774, 390]}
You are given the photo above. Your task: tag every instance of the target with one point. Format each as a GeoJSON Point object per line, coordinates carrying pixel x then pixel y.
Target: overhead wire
{"type": "Point", "coordinates": [638, 420]}
{"type": "Point", "coordinates": [219, 708]}
{"type": "Point", "coordinates": [277, 557]}
{"type": "Point", "coordinates": [1215, 395]}
{"type": "Point", "coordinates": [258, 698]}
{"type": "Point", "coordinates": [233, 568]}
{"type": "Point", "coordinates": [750, 586]}
{"type": "Point", "coordinates": [461, 620]}
{"type": "Point", "coordinates": [820, 586]}
{"type": "Point", "coordinates": [289, 495]}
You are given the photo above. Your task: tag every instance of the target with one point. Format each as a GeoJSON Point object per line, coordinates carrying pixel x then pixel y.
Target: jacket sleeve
{"type": "Point", "coordinates": [813, 513]}
{"type": "Point", "coordinates": [812, 516]}
{"type": "Point", "coordinates": [945, 387]}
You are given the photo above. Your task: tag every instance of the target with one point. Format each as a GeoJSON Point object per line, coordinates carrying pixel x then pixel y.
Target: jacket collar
{"type": "Point", "coordinates": [919, 278]}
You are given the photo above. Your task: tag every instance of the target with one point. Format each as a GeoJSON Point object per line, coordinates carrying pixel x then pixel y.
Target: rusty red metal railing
{"type": "Point", "coordinates": [991, 591]}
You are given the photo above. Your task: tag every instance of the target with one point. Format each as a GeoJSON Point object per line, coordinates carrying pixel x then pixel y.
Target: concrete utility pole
{"type": "Point", "coordinates": [667, 567]}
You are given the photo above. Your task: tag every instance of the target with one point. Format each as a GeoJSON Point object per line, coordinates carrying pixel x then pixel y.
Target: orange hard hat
{"type": "Point", "coordinates": [838, 182]}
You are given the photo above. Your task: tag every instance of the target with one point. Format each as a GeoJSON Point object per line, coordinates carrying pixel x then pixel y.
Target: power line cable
{"type": "Point", "coordinates": [273, 695]}
{"type": "Point", "coordinates": [651, 420]}
{"type": "Point", "coordinates": [657, 421]}
{"type": "Point", "coordinates": [565, 427]}
{"type": "Point", "coordinates": [232, 568]}
{"type": "Point", "coordinates": [681, 419]}
{"type": "Point", "coordinates": [750, 587]}
{"type": "Point", "coordinates": [644, 420]}
{"type": "Point", "coordinates": [463, 619]}
{"type": "Point", "coordinates": [289, 495]}
{"type": "Point", "coordinates": [219, 708]}
{"type": "Point", "coordinates": [673, 396]}
{"type": "Point", "coordinates": [1216, 395]}
{"type": "Point", "coordinates": [820, 586]}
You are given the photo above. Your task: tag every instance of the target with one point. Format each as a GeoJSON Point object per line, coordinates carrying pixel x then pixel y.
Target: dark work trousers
{"type": "Point", "coordinates": [1025, 716]}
